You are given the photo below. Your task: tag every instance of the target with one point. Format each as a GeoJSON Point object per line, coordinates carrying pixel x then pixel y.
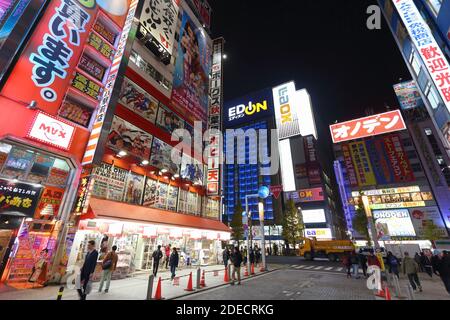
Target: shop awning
{"type": "Point", "coordinates": [106, 209]}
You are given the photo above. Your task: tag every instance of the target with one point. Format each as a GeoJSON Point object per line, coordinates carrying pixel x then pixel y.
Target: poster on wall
{"type": "Point", "coordinates": [40, 168]}
{"type": "Point", "coordinates": [151, 193]}
{"type": "Point", "coordinates": [172, 197]}
{"type": "Point", "coordinates": [18, 163]}
{"type": "Point", "coordinates": [408, 95]}
{"type": "Point", "coordinates": [138, 100]}
{"type": "Point", "coordinates": [168, 120]}
{"type": "Point", "coordinates": [50, 202]}
{"type": "Point", "coordinates": [422, 217]}
{"type": "Point", "coordinates": [134, 188]}
{"type": "Point", "coordinates": [20, 198]}
{"type": "Point", "coordinates": [109, 182]}
{"type": "Point", "coordinates": [398, 159]}
{"type": "Point", "coordinates": [192, 170]}
{"type": "Point", "coordinates": [397, 222]}
{"type": "Point", "coordinates": [161, 157]}
{"type": "Point", "coordinates": [127, 137]}
{"type": "Point", "coordinates": [191, 77]}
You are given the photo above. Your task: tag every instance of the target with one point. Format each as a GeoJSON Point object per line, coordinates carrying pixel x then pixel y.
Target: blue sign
{"type": "Point", "coordinates": [263, 192]}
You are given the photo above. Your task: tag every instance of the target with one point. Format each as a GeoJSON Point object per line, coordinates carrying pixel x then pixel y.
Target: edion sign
{"type": "Point", "coordinates": [369, 126]}
{"type": "Point", "coordinates": [52, 131]}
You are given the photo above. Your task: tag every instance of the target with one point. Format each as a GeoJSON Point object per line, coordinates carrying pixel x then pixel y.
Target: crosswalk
{"type": "Point", "coordinates": [319, 268]}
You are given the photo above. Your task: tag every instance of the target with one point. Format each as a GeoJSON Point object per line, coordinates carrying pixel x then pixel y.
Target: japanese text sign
{"type": "Point", "coordinates": [369, 126]}
{"type": "Point", "coordinates": [408, 95]}
{"type": "Point", "coordinates": [18, 197]}
{"type": "Point", "coordinates": [51, 131]}
{"type": "Point", "coordinates": [427, 47]}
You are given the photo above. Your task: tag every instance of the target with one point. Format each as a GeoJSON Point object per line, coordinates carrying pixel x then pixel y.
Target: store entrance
{"type": "Point", "coordinates": [9, 226]}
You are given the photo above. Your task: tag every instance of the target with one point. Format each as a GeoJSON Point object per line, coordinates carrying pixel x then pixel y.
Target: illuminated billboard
{"type": "Point", "coordinates": [393, 223]}
{"type": "Point", "coordinates": [286, 110]}
{"type": "Point", "coordinates": [408, 95]}
{"type": "Point", "coordinates": [308, 195]}
{"type": "Point", "coordinates": [314, 216]}
{"type": "Point", "coordinates": [321, 233]}
{"type": "Point", "coordinates": [308, 124]}
{"type": "Point", "coordinates": [368, 126]}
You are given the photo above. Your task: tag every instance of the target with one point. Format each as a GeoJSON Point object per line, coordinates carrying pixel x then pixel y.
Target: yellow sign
{"type": "Point", "coordinates": [380, 259]}
{"type": "Point", "coordinates": [363, 167]}
{"type": "Point", "coordinates": [397, 205]}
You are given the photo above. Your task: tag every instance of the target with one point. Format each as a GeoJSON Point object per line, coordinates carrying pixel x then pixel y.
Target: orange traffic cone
{"type": "Point", "coordinates": [189, 285]}
{"type": "Point", "coordinates": [245, 272]}
{"type": "Point", "coordinates": [388, 294]}
{"type": "Point", "coordinates": [158, 290]}
{"type": "Point", "coordinates": [253, 269]}
{"type": "Point", "coordinates": [202, 280]}
{"type": "Point", "coordinates": [262, 268]}
{"type": "Point", "coordinates": [380, 293]}
{"type": "Point", "coordinates": [225, 277]}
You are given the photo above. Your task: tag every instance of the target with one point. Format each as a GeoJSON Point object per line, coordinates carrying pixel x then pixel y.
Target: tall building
{"type": "Point", "coordinates": [89, 145]}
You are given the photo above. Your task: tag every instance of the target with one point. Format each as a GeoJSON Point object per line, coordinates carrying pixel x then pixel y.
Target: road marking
{"type": "Point", "coordinates": [293, 265]}
{"type": "Point", "coordinates": [339, 269]}
{"type": "Point", "coordinates": [360, 271]}
{"type": "Point", "coordinates": [329, 268]}
{"type": "Point", "coordinates": [318, 268]}
{"type": "Point", "coordinates": [299, 267]}
{"type": "Point", "coordinates": [310, 267]}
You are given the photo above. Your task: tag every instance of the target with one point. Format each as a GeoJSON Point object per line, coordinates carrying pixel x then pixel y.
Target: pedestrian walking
{"type": "Point", "coordinates": [417, 260]}
{"type": "Point", "coordinates": [173, 262]}
{"type": "Point", "coordinates": [363, 262]}
{"type": "Point", "coordinates": [372, 260]}
{"type": "Point", "coordinates": [251, 256]}
{"type": "Point", "coordinates": [167, 252]}
{"type": "Point", "coordinates": [109, 265]}
{"type": "Point", "coordinates": [245, 255]}
{"type": "Point", "coordinates": [257, 255]}
{"type": "Point", "coordinates": [347, 264]}
{"type": "Point", "coordinates": [435, 262]}
{"type": "Point", "coordinates": [444, 269]}
{"type": "Point", "coordinates": [392, 263]}
{"type": "Point", "coordinates": [236, 260]}
{"type": "Point", "coordinates": [354, 262]}
{"type": "Point", "coordinates": [87, 270]}
{"type": "Point", "coordinates": [425, 262]}
{"type": "Point", "coordinates": [157, 255]}
{"type": "Point", "coordinates": [226, 257]}
{"type": "Point", "coordinates": [411, 269]}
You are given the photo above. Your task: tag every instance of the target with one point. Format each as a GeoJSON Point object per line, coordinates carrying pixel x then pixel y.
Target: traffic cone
{"type": "Point", "coordinates": [262, 269]}
{"type": "Point", "coordinates": [388, 294]}
{"type": "Point", "coordinates": [253, 269]}
{"type": "Point", "coordinates": [202, 280]}
{"type": "Point", "coordinates": [245, 272]}
{"type": "Point", "coordinates": [225, 277]}
{"type": "Point", "coordinates": [189, 285]}
{"type": "Point", "coordinates": [380, 293]}
{"type": "Point", "coordinates": [158, 290]}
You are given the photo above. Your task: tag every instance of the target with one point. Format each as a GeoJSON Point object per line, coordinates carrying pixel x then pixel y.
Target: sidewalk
{"type": "Point", "coordinates": [132, 288]}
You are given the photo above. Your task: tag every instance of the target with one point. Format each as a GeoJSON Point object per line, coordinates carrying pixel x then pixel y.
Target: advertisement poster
{"type": "Point", "coordinates": [161, 200]}
{"type": "Point", "coordinates": [50, 202]}
{"type": "Point", "coordinates": [41, 168]}
{"type": "Point", "coordinates": [172, 197]}
{"type": "Point", "coordinates": [364, 172]}
{"type": "Point", "coordinates": [301, 171]}
{"type": "Point", "coordinates": [192, 170]}
{"type": "Point", "coordinates": [378, 159]}
{"type": "Point", "coordinates": [19, 161]}
{"type": "Point", "coordinates": [398, 159]}
{"type": "Point", "coordinates": [160, 19]}
{"type": "Point", "coordinates": [191, 77]}
{"type": "Point", "coordinates": [351, 172]}
{"type": "Point", "coordinates": [151, 193]}
{"type": "Point", "coordinates": [137, 100]}
{"type": "Point", "coordinates": [314, 174]}
{"type": "Point", "coordinates": [19, 197]}
{"type": "Point", "coordinates": [127, 137]}
{"type": "Point", "coordinates": [398, 223]}
{"type": "Point", "coordinates": [168, 120]}
{"type": "Point", "coordinates": [134, 188]}
{"type": "Point", "coordinates": [58, 177]}
{"type": "Point", "coordinates": [161, 157]}
{"type": "Point", "coordinates": [109, 184]}
{"type": "Point", "coordinates": [422, 217]}
{"type": "Point", "coordinates": [408, 95]}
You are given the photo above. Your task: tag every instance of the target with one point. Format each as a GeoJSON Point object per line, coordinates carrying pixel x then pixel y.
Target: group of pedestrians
{"type": "Point", "coordinates": [252, 256]}
{"type": "Point", "coordinates": [354, 261]}
{"type": "Point", "coordinates": [235, 258]}
{"type": "Point", "coordinates": [172, 259]}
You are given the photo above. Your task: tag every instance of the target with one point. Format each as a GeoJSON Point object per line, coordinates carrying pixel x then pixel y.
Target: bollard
{"type": "Point", "coordinates": [198, 278]}
{"type": "Point", "coordinates": [229, 273]}
{"type": "Point", "coordinates": [398, 291]}
{"type": "Point", "coordinates": [410, 292]}
{"type": "Point", "coordinates": [60, 293]}
{"type": "Point", "coordinates": [150, 287]}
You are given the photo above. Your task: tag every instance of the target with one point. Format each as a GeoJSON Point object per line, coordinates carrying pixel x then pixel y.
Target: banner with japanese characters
{"type": "Point", "coordinates": [368, 126]}
{"type": "Point", "coordinates": [398, 159]}
{"type": "Point", "coordinates": [348, 161]}
{"type": "Point", "coordinates": [363, 167]}
{"type": "Point", "coordinates": [50, 203]}
{"type": "Point", "coordinates": [434, 59]}
{"type": "Point", "coordinates": [160, 18]}
{"type": "Point", "coordinates": [378, 159]}
{"type": "Point", "coordinates": [192, 69]}
{"type": "Point", "coordinates": [45, 68]}
{"type": "Point", "coordinates": [109, 182]}
{"type": "Point", "coordinates": [408, 95]}
{"type": "Point", "coordinates": [19, 198]}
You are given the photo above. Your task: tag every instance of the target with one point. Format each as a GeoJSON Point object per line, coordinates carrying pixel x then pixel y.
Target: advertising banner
{"type": "Point", "coordinates": [422, 217]}
{"type": "Point", "coordinates": [50, 202]}
{"type": "Point", "coordinates": [398, 223]}
{"type": "Point", "coordinates": [109, 182]}
{"type": "Point", "coordinates": [314, 174]}
{"type": "Point", "coordinates": [308, 195]}
{"type": "Point", "coordinates": [84, 194]}
{"type": "Point", "coordinates": [202, 10]}
{"type": "Point", "coordinates": [434, 59]}
{"type": "Point", "coordinates": [314, 216]}
{"type": "Point", "coordinates": [138, 100]}
{"type": "Point", "coordinates": [377, 155]}
{"type": "Point", "coordinates": [161, 157]}
{"type": "Point", "coordinates": [41, 168]}
{"type": "Point", "coordinates": [134, 188]}
{"type": "Point", "coordinates": [351, 172]}
{"type": "Point", "coordinates": [19, 198]}
{"type": "Point", "coordinates": [408, 95]}
{"type": "Point", "coordinates": [160, 19]}
{"type": "Point", "coordinates": [168, 120]}
{"type": "Point", "coordinates": [191, 76]}
{"type": "Point", "coordinates": [18, 162]}
{"type": "Point", "coordinates": [368, 126]}
{"type": "Point", "coordinates": [360, 157]}
{"type": "Point", "coordinates": [192, 170]}
{"type": "Point", "coordinates": [127, 137]}
{"type": "Point", "coordinates": [286, 110]}
{"type": "Point", "coordinates": [398, 159]}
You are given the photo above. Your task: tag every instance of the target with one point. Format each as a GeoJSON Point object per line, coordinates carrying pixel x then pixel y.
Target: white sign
{"type": "Point", "coordinates": [321, 233]}
{"type": "Point", "coordinates": [380, 192]}
{"type": "Point", "coordinates": [426, 45]}
{"type": "Point", "coordinates": [314, 216]}
{"type": "Point", "coordinates": [160, 19]}
{"type": "Point", "coordinates": [50, 130]}
{"type": "Point", "coordinates": [308, 126]}
{"type": "Point", "coordinates": [398, 223]}
{"type": "Point", "coordinates": [422, 217]}
{"type": "Point", "coordinates": [286, 110]}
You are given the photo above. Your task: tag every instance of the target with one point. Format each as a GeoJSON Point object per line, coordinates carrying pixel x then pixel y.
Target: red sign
{"type": "Point", "coordinates": [50, 202]}
{"type": "Point", "coordinates": [314, 174]}
{"type": "Point", "coordinates": [369, 126]}
{"type": "Point", "coordinates": [398, 159]}
{"type": "Point", "coordinates": [310, 195]}
{"type": "Point", "coordinates": [276, 190]}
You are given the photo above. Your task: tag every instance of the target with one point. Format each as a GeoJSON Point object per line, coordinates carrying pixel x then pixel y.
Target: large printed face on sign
{"type": "Point", "coordinates": [191, 80]}
{"type": "Point", "coordinates": [168, 120]}
{"type": "Point", "coordinates": [125, 136]}
{"type": "Point", "coordinates": [397, 223]}
{"type": "Point", "coordinates": [136, 99]}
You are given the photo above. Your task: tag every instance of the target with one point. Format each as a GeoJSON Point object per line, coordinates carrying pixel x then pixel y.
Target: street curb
{"type": "Point", "coordinates": [221, 285]}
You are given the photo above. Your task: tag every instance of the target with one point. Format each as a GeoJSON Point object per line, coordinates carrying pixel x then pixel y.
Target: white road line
{"type": "Point", "coordinates": [329, 268]}
{"type": "Point", "coordinates": [318, 268]}
{"type": "Point", "coordinates": [360, 271]}
{"type": "Point", "coordinates": [293, 265]}
{"type": "Point", "coordinates": [310, 267]}
{"type": "Point", "coordinates": [299, 267]}
{"type": "Point", "coordinates": [339, 269]}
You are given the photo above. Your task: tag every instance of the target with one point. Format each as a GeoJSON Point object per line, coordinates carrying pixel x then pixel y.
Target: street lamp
{"type": "Point", "coordinates": [263, 239]}
{"type": "Point", "coordinates": [372, 230]}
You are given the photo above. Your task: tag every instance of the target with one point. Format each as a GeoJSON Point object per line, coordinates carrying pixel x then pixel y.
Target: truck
{"type": "Point", "coordinates": [311, 248]}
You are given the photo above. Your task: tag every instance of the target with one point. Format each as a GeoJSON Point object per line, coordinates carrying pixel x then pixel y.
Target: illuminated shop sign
{"type": "Point", "coordinates": [314, 216]}
{"type": "Point", "coordinates": [308, 195]}
{"type": "Point", "coordinates": [386, 191]}
{"type": "Point", "coordinates": [19, 198]}
{"type": "Point", "coordinates": [50, 130]}
{"type": "Point", "coordinates": [393, 223]}
{"type": "Point", "coordinates": [286, 110]}
{"type": "Point", "coordinates": [397, 205]}
{"type": "Point", "coordinates": [243, 110]}
{"type": "Point", "coordinates": [321, 233]}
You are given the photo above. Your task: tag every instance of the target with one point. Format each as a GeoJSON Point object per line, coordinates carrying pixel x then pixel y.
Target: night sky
{"type": "Point", "coordinates": [324, 45]}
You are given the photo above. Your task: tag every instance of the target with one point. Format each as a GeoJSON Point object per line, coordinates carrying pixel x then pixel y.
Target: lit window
{"type": "Point", "coordinates": [428, 132]}
{"type": "Point", "coordinates": [435, 6]}
{"type": "Point", "coordinates": [415, 62]}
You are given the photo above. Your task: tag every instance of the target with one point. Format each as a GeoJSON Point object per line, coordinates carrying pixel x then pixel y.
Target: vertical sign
{"type": "Point", "coordinates": [286, 107]}
{"type": "Point", "coordinates": [214, 120]}
{"type": "Point", "coordinates": [426, 45]}
{"type": "Point", "coordinates": [399, 161]}
{"type": "Point", "coordinates": [408, 95]}
{"type": "Point", "coordinates": [364, 171]}
{"type": "Point", "coordinates": [351, 173]}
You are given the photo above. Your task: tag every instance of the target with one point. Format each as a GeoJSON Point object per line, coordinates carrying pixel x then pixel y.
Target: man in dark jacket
{"type": "Point", "coordinates": [354, 261]}
{"type": "Point", "coordinates": [90, 262]}
{"type": "Point", "coordinates": [425, 261]}
{"type": "Point", "coordinates": [444, 270]}
{"type": "Point", "coordinates": [363, 262]}
{"type": "Point", "coordinates": [157, 255]}
{"type": "Point", "coordinates": [251, 256]}
{"type": "Point", "coordinates": [236, 259]}
{"type": "Point", "coordinates": [173, 262]}
{"type": "Point", "coordinates": [226, 257]}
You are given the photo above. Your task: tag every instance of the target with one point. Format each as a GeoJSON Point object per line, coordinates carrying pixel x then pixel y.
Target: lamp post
{"type": "Point", "coordinates": [263, 239]}
{"type": "Point", "coordinates": [248, 229]}
{"type": "Point", "coordinates": [371, 226]}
